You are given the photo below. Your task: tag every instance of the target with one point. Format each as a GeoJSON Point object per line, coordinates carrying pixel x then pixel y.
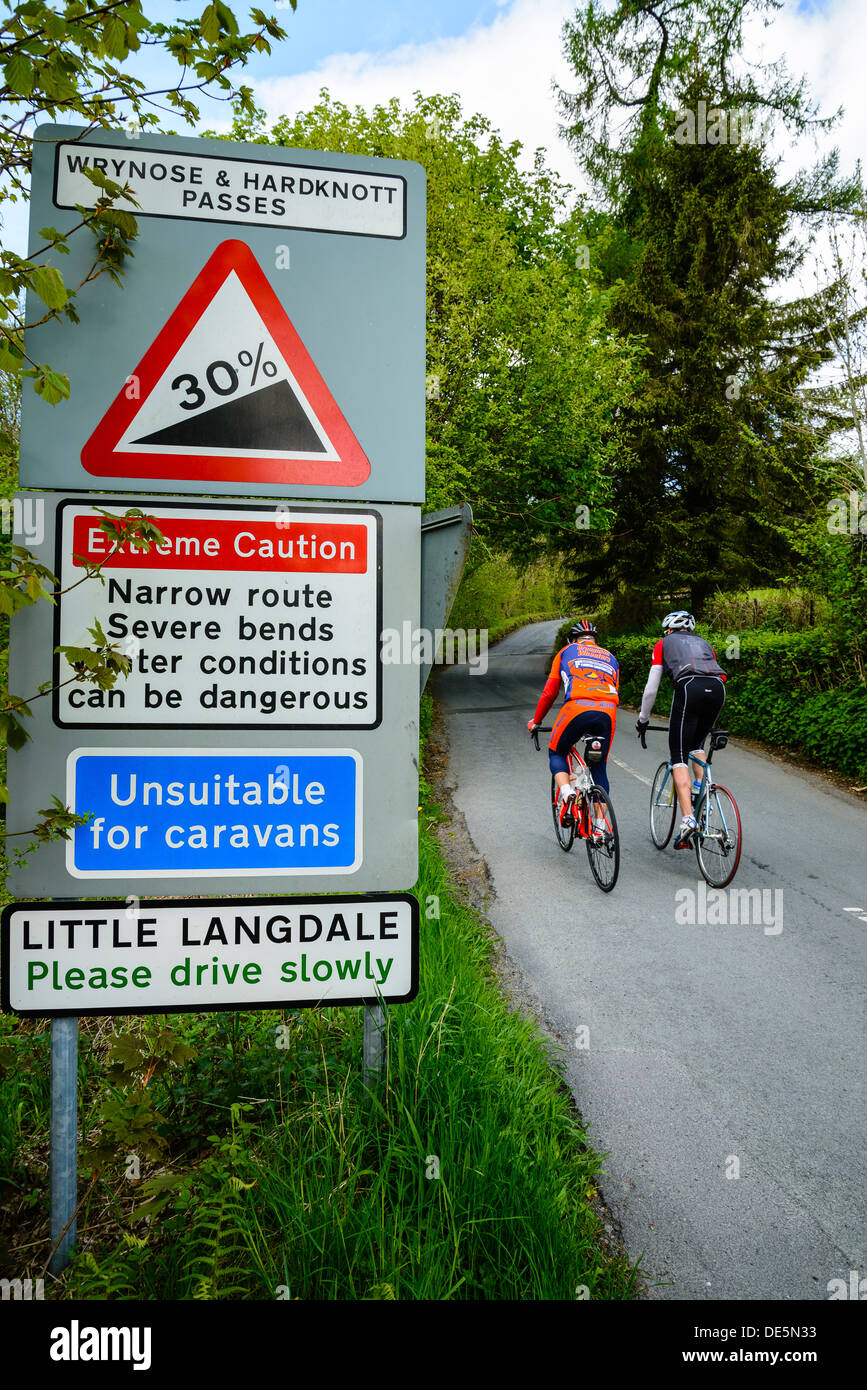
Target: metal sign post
{"type": "Point", "coordinates": [374, 1042]}
{"type": "Point", "coordinates": [64, 1139]}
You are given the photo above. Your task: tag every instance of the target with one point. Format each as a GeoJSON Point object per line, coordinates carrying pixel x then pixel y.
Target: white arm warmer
{"type": "Point", "coordinates": [650, 691]}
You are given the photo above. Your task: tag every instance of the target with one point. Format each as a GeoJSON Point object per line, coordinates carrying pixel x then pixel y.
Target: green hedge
{"type": "Point", "coordinates": [794, 690]}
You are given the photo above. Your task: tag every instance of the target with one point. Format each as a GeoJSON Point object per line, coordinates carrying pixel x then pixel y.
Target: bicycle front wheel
{"type": "Point", "coordinates": [718, 838]}
{"type": "Point", "coordinates": [663, 805]}
{"type": "Point", "coordinates": [565, 833]}
{"type": "Point", "coordinates": [603, 841]}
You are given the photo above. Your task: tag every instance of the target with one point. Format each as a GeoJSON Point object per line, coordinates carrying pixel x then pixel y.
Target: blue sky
{"type": "Point", "coordinates": [320, 27]}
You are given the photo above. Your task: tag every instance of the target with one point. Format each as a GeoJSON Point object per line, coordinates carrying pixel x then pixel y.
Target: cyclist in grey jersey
{"type": "Point", "coordinates": [699, 695]}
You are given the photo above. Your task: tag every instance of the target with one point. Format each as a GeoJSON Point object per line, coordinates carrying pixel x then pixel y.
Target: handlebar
{"type": "Point", "coordinates": [540, 729]}
{"type": "Point", "coordinates": [652, 729]}
{"type": "Point", "coordinates": [663, 729]}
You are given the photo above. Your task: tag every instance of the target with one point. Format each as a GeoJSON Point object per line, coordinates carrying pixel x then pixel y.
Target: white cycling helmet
{"type": "Point", "coordinates": [681, 621]}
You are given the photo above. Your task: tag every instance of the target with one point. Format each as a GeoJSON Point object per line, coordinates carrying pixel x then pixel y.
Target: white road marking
{"type": "Point", "coordinates": [626, 768]}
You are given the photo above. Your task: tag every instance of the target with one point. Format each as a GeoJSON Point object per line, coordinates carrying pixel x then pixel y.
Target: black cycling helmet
{"type": "Point", "coordinates": [583, 628]}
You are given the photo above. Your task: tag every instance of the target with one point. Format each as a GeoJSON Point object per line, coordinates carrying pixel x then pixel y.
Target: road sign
{"type": "Point", "coordinates": [135, 956]}
{"type": "Point", "coordinates": [241, 612]}
{"type": "Point", "coordinates": [227, 390]}
{"type": "Point", "coordinates": [269, 339]}
{"type": "Point", "coordinates": [269, 334]}
{"type": "Point", "coordinates": [191, 812]}
{"type": "Point", "coordinates": [246, 617]}
{"type": "Point", "coordinates": [238, 183]}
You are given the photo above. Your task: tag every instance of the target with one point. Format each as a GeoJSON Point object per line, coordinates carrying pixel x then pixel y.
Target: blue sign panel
{"type": "Point", "coordinates": [189, 813]}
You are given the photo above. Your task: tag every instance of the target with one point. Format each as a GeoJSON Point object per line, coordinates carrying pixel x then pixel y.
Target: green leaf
{"type": "Point", "coordinates": [55, 26]}
{"type": "Point", "coordinates": [19, 74]}
{"type": "Point", "coordinates": [101, 180]}
{"type": "Point", "coordinates": [159, 1191]}
{"type": "Point", "coordinates": [127, 1051]}
{"type": "Point", "coordinates": [16, 734]}
{"type": "Point", "coordinates": [10, 360]}
{"type": "Point", "coordinates": [124, 221]}
{"type": "Point", "coordinates": [210, 24]}
{"type": "Point", "coordinates": [114, 37]}
{"type": "Point", "coordinates": [48, 284]}
{"type": "Point", "coordinates": [52, 386]}
{"type": "Point", "coordinates": [227, 19]}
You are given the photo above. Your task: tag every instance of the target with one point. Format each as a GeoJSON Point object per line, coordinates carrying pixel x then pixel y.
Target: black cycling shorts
{"type": "Point", "coordinates": [694, 711]}
{"type": "Point", "coordinates": [589, 721]}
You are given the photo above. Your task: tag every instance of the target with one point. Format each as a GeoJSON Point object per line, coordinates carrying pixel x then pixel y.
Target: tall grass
{"type": "Point", "coordinates": [463, 1175]}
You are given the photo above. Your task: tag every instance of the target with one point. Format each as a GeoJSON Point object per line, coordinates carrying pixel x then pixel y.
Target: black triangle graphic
{"type": "Point", "coordinates": [271, 418]}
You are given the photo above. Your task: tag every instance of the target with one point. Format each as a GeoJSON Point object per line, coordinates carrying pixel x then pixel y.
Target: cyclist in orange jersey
{"type": "Point", "coordinates": [590, 678]}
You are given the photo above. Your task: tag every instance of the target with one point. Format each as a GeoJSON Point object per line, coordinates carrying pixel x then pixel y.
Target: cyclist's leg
{"type": "Point", "coordinates": [573, 726]}
{"type": "Point", "coordinates": [558, 747]}
{"type": "Point", "coordinates": [697, 769]}
{"type": "Point", "coordinates": [706, 703]}
{"type": "Point", "coordinates": [681, 738]}
{"type": "Point", "coordinates": [699, 700]}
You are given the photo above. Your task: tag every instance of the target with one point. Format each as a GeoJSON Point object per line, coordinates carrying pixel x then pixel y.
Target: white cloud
{"type": "Point", "coordinates": [503, 70]}
{"type": "Point", "coordinates": [826, 46]}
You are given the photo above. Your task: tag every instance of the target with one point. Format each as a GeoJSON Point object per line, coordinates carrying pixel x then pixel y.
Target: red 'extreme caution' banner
{"type": "Point", "coordinates": [197, 543]}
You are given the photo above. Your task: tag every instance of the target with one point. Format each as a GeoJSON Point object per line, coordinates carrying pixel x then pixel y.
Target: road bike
{"type": "Point", "coordinates": [718, 837]}
{"type": "Point", "coordinates": [590, 817]}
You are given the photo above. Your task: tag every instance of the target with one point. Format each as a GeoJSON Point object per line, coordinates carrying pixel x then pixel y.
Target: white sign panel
{"type": "Point", "coordinates": [246, 617]}
{"type": "Point", "coordinates": [231, 953]}
{"type": "Point", "coordinates": [214, 188]}
{"type": "Point", "coordinates": [267, 730]}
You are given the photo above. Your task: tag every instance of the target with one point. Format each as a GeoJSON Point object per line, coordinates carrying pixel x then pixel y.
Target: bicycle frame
{"type": "Point", "coordinates": [702, 798]}
{"type": "Point", "coordinates": [592, 821]}
{"type": "Point", "coordinates": [580, 778]}
{"type": "Point", "coordinates": [707, 782]}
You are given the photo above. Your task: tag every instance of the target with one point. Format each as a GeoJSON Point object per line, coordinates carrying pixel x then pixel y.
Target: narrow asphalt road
{"type": "Point", "coordinates": [719, 1065]}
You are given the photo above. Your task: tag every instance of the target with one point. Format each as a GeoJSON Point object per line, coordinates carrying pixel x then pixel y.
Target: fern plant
{"type": "Point", "coordinates": [217, 1261]}
{"type": "Point", "coordinates": [116, 1277]}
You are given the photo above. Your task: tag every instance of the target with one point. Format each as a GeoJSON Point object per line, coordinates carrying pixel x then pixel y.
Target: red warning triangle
{"type": "Point", "coordinates": [227, 391]}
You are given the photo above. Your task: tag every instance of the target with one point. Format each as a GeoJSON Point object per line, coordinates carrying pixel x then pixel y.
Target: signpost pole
{"type": "Point", "coordinates": [374, 1042]}
{"type": "Point", "coordinates": [64, 1138]}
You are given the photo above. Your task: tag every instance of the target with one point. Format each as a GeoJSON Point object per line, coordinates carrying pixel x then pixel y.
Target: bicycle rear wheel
{"type": "Point", "coordinates": [718, 838]}
{"type": "Point", "coordinates": [565, 833]}
{"type": "Point", "coordinates": [663, 806]}
{"type": "Point", "coordinates": [603, 849]}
